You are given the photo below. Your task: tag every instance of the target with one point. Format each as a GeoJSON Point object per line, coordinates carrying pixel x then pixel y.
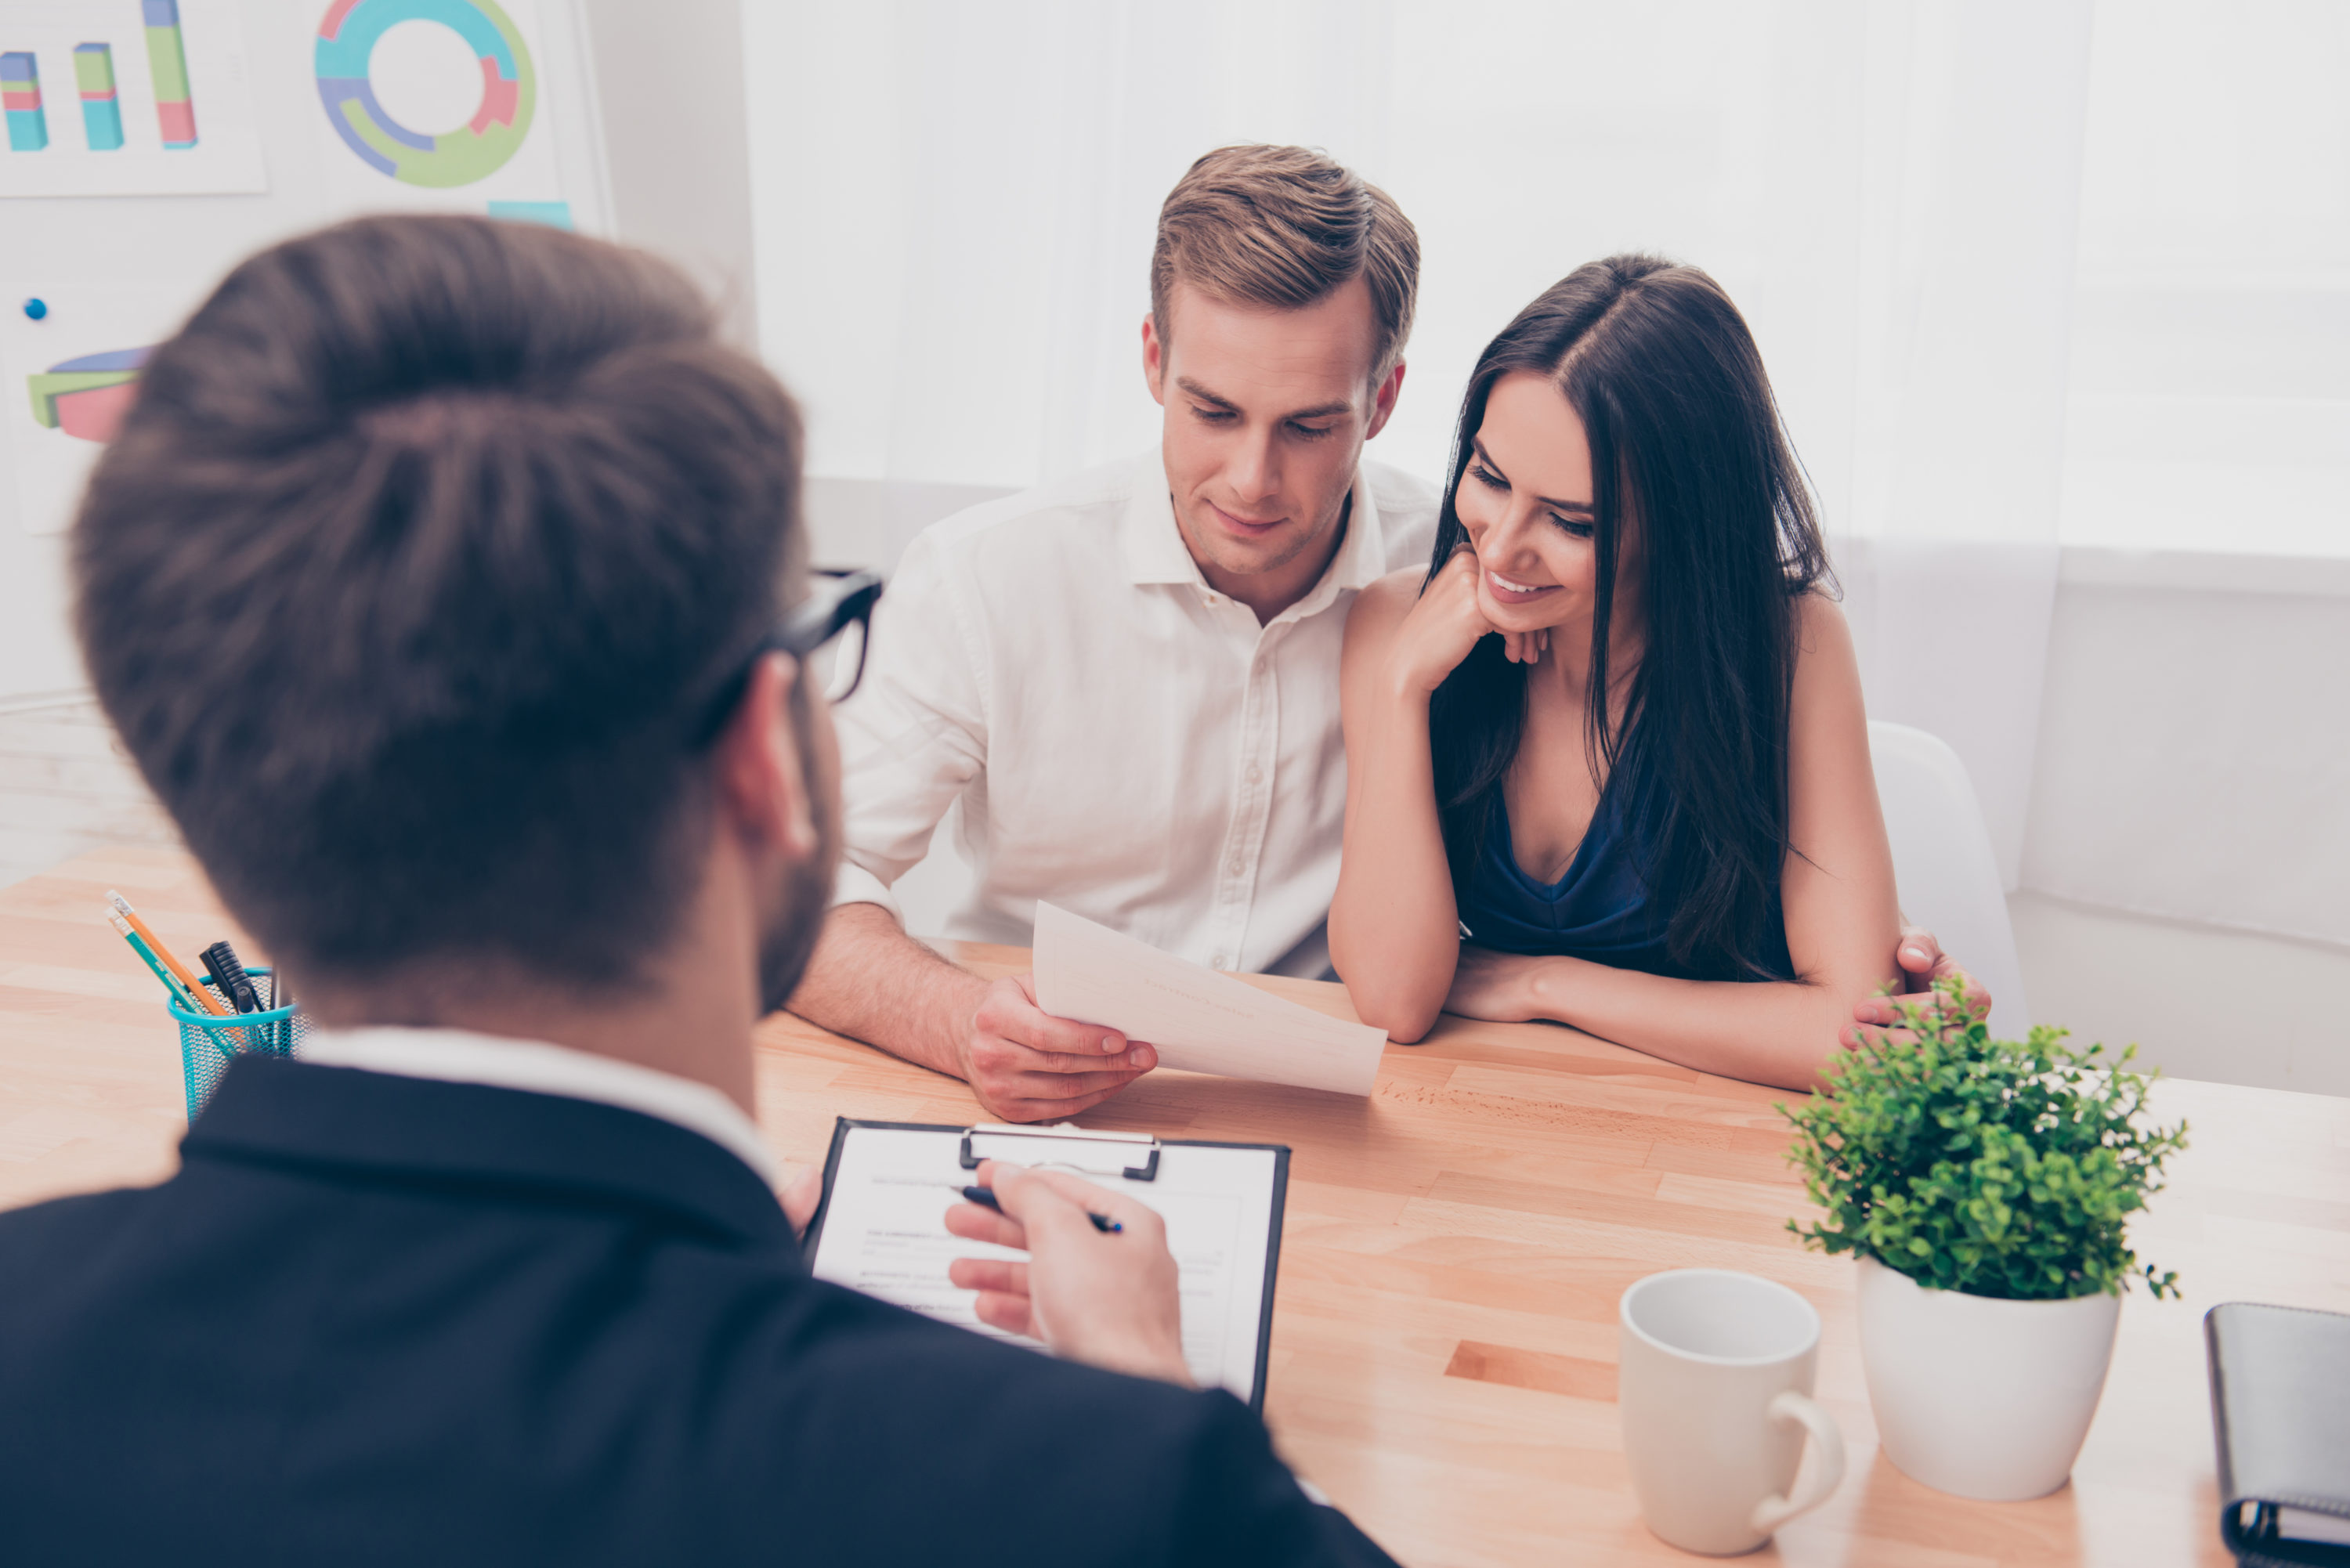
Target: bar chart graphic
{"type": "Point", "coordinates": [167, 61]}
{"type": "Point", "coordinates": [87, 397]}
{"type": "Point", "coordinates": [136, 98]}
{"type": "Point", "coordinates": [344, 60]}
{"type": "Point", "coordinates": [20, 95]}
{"type": "Point", "coordinates": [102, 106]}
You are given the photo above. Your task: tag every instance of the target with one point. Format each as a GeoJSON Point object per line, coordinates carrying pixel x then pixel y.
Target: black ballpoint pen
{"type": "Point", "coordinates": [985, 1198]}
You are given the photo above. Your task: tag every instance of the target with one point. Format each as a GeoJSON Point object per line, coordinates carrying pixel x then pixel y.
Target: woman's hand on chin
{"type": "Point", "coordinates": [1442, 625]}
{"type": "Point", "coordinates": [1496, 987]}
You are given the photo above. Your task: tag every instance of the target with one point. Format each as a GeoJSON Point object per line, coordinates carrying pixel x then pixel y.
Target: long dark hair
{"type": "Point", "coordinates": [1685, 438]}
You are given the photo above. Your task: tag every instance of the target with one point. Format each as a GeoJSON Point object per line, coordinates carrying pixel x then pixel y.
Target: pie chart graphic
{"type": "Point", "coordinates": [347, 35]}
{"type": "Point", "coordinates": [86, 398]}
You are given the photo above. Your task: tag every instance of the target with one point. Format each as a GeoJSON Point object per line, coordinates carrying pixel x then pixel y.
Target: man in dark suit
{"type": "Point", "coordinates": [447, 584]}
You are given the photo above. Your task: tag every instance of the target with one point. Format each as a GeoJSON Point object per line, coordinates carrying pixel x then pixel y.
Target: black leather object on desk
{"type": "Point", "coordinates": [2280, 1417]}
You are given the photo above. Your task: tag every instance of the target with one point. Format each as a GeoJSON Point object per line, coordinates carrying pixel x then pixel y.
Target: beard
{"type": "Point", "coordinates": [787, 941]}
{"type": "Point", "coordinates": [789, 936]}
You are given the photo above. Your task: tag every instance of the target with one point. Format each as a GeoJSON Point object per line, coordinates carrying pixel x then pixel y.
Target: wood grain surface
{"type": "Point", "coordinates": [1444, 1335]}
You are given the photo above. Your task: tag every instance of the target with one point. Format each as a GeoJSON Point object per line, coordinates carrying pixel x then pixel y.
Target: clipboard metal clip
{"type": "Point", "coordinates": [1065, 1147]}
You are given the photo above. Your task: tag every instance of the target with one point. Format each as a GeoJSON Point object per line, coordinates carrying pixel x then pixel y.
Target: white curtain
{"type": "Point", "coordinates": [2195, 747]}
{"type": "Point", "coordinates": [1969, 203]}
{"type": "Point", "coordinates": [954, 205]}
{"type": "Point", "coordinates": [954, 209]}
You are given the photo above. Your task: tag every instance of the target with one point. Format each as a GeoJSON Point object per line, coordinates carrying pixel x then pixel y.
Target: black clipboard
{"type": "Point", "coordinates": [843, 1125]}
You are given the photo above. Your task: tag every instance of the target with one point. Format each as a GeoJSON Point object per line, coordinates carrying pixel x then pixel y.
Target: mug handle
{"type": "Point", "coordinates": [1775, 1510]}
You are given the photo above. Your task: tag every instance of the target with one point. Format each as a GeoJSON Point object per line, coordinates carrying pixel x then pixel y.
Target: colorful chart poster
{"type": "Point", "coordinates": [65, 382]}
{"type": "Point", "coordinates": [434, 104]}
{"type": "Point", "coordinates": [126, 98]}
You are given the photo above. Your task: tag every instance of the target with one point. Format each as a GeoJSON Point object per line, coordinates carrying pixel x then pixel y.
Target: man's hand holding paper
{"type": "Point", "coordinates": [1027, 1065]}
{"type": "Point", "coordinates": [1198, 1020]}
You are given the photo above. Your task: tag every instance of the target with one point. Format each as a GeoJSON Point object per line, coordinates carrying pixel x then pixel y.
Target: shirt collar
{"type": "Point", "coordinates": [1153, 543]}
{"type": "Point", "coordinates": [1155, 551]}
{"type": "Point", "coordinates": [539, 1066]}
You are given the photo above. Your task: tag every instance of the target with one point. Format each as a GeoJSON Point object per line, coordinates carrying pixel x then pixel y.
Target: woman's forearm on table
{"type": "Point", "coordinates": [1767, 1032]}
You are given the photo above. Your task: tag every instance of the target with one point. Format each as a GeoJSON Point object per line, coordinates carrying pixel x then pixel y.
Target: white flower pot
{"type": "Point", "coordinates": [1980, 1397]}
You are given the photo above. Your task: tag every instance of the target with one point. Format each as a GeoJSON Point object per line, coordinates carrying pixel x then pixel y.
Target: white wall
{"type": "Point", "coordinates": [2198, 1002]}
{"type": "Point", "coordinates": [2193, 775]}
{"type": "Point", "coordinates": [669, 81]}
{"type": "Point", "coordinates": [2194, 749]}
{"type": "Point", "coordinates": [869, 522]}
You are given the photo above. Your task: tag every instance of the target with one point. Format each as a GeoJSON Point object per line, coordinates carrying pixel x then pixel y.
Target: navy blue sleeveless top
{"type": "Point", "coordinates": [1603, 909]}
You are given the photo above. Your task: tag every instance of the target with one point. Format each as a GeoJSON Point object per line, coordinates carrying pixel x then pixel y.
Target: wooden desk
{"type": "Point", "coordinates": [1444, 1341]}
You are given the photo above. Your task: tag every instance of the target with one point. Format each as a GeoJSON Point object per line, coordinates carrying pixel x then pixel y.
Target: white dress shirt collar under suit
{"type": "Point", "coordinates": [542, 1068]}
{"type": "Point", "coordinates": [1122, 739]}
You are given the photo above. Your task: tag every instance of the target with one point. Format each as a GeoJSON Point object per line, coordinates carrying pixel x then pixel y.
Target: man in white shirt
{"type": "Point", "coordinates": [1129, 679]}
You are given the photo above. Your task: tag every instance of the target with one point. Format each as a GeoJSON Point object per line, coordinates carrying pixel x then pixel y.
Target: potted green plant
{"type": "Point", "coordinates": [1985, 1187]}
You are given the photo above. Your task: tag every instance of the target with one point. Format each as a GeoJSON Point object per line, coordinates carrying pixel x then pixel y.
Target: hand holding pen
{"type": "Point", "coordinates": [1107, 1298]}
{"type": "Point", "coordinates": [986, 1198]}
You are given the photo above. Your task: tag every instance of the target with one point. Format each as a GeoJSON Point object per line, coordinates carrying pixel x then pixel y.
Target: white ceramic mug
{"type": "Point", "coordinates": [1714, 1381]}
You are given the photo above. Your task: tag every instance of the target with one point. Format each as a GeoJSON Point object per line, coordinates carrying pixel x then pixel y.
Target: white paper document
{"type": "Point", "coordinates": [884, 1232]}
{"type": "Point", "coordinates": [1196, 1019]}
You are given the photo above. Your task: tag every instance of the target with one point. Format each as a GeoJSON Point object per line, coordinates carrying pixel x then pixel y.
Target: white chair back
{"type": "Point", "coordinates": [1943, 863]}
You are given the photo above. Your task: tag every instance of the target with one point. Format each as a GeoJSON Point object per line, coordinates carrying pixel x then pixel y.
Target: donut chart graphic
{"type": "Point", "coordinates": [347, 39]}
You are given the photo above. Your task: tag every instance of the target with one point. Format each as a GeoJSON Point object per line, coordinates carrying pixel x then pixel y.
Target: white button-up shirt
{"type": "Point", "coordinates": [1126, 741]}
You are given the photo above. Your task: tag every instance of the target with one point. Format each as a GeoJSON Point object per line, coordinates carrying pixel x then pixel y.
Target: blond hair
{"type": "Point", "coordinates": [1285, 227]}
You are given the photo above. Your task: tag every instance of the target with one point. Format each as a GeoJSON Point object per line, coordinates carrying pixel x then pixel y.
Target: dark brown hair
{"type": "Point", "coordinates": [1283, 227]}
{"type": "Point", "coordinates": [408, 575]}
{"type": "Point", "coordinates": [1685, 441]}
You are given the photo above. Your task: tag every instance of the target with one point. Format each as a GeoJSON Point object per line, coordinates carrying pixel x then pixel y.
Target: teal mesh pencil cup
{"type": "Point", "coordinates": [208, 1043]}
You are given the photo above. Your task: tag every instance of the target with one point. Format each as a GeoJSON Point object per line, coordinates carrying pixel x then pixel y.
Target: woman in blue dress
{"type": "Point", "coordinates": [1607, 759]}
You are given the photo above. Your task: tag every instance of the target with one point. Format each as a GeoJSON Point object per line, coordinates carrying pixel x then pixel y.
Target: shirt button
{"type": "Point", "coordinates": [1236, 867]}
{"type": "Point", "coordinates": [1216, 960]}
{"type": "Point", "coordinates": [1255, 773]}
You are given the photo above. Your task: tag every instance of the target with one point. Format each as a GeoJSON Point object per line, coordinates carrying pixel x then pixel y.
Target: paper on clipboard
{"type": "Point", "coordinates": [1196, 1019]}
{"type": "Point", "coordinates": [882, 1226]}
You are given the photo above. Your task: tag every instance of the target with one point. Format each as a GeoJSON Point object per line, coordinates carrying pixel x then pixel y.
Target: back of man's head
{"type": "Point", "coordinates": [410, 579]}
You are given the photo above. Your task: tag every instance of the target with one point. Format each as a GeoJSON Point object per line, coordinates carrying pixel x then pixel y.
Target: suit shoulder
{"type": "Point", "coordinates": [68, 1222]}
{"type": "Point", "coordinates": [865, 1343]}
{"type": "Point", "coordinates": [58, 1248]}
{"type": "Point", "coordinates": [893, 1393]}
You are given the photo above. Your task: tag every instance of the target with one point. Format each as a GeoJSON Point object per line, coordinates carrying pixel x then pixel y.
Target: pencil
{"type": "Point", "coordinates": [179, 992]}
{"type": "Point", "coordinates": [205, 1001]}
